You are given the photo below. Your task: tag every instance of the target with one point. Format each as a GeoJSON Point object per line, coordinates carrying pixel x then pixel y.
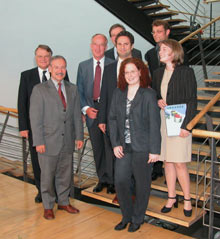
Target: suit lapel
{"type": "Point", "coordinates": [36, 77]}
{"type": "Point", "coordinates": [137, 98]}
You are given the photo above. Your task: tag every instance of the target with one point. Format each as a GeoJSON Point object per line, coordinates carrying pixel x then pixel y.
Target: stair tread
{"type": "Point", "coordinates": [204, 149]}
{"type": "Point", "coordinates": [212, 80]}
{"type": "Point", "coordinates": [212, 109]}
{"type": "Point", "coordinates": [162, 14]}
{"type": "Point", "coordinates": [154, 6]}
{"type": "Point", "coordinates": [205, 97]}
{"type": "Point", "coordinates": [154, 206]}
{"type": "Point", "coordinates": [209, 88]}
{"type": "Point", "coordinates": [215, 121]}
{"type": "Point", "coordinates": [216, 73]}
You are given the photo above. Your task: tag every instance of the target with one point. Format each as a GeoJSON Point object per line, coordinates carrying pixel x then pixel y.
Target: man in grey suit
{"type": "Point", "coordinates": [56, 124]}
{"type": "Point", "coordinates": [112, 53]}
{"type": "Point", "coordinates": [89, 82]}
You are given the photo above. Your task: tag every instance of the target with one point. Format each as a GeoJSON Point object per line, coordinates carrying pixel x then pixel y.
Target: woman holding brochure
{"type": "Point", "coordinates": [134, 125]}
{"type": "Point", "coordinates": [175, 84]}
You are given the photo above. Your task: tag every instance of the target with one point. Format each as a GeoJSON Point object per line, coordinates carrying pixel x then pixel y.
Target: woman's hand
{"type": "Point", "coordinates": [161, 103]}
{"type": "Point", "coordinates": [153, 158]}
{"type": "Point", "coordinates": [118, 152]}
{"type": "Point", "coordinates": [184, 133]}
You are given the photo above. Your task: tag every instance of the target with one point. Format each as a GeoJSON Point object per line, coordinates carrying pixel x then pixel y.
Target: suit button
{"type": "Point", "coordinates": [64, 122]}
{"type": "Point", "coordinates": [64, 110]}
{"type": "Point", "coordinates": [62, 134]}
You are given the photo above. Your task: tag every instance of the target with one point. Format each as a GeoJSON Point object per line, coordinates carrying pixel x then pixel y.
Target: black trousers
{"type": "Point", "coordinates": [35, 162]}
{"type": "Point", "coordinates": [103, 153]}
{"type": "Point", "coordinates": [135, 164]}
{"type": "Point", "coordinates": [158, 167]}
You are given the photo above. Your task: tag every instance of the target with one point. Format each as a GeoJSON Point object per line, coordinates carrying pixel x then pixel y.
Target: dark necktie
{"type": "Point", "coordinates": [96, 87]}
{"type": "Point", "coordinates": [44, 78]}
{"type": "Point", "coordinates": [61, 95]}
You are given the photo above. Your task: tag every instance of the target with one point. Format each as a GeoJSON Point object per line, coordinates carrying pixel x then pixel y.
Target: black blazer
{"type": "Point", "coordinates": [144, 121]}
{"type": "Point", "coordinates": [109, 83]}
{"type": "Point", "coordinates": [182, 88]}
{"type": "Point", "coordinates": [153, 62]}
{"type": "Point", "coordinates": [135, 53]}
{"type": "Point", "coordinates": [28, 80]}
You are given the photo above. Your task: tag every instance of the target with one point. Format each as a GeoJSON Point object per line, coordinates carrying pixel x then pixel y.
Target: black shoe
{"type": "Point", "coordinates": [98, 188]}
{"type": "Point", "coordinates": [168, 209]}
{"type": "Point", "coordinates": [120, 226]}
{"type": "Point", "coordinates": [38, 198]}
{"type": "Point", "coordinates": [110, 189]}
{"type": "Point", "coordinates": [133, 227]}
{"type": "Point", "coordinates": [187, 213]}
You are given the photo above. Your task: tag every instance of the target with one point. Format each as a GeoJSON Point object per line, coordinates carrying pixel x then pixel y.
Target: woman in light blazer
{"type": "Point", "coordinates": [176, 84]}
{"type": "Point", "coordinates": [134, 125]}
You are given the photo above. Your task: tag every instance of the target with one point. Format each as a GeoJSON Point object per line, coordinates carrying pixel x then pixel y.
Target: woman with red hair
{"type": "Point", "coordinates": [134, 125]}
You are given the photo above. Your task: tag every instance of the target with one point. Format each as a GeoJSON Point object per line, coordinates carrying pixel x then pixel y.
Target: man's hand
{"type": "Point", "coordinates": [153, 158]}
{"type": "Point", "coordinates": [184, 133]}
{"type": "Point", "coordinates": [83, 118]}
{"type": "Point", "coordinates": [41, 149]}
{"type": "Point", "coordinates": [161, 104]}
{"type": "Point", "coordinates": [79, 144]}
{"type": "Point", "coordinates": [92, 113]}
{"type": "Point", "coordinates": [118, 152]}
{"type": "Point", "coordinates": [102, 127]}
{"type": "Point", "coordinates": [24, 133]}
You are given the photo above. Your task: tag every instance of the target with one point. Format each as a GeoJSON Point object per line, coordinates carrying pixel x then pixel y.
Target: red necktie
{"type": "Point", "coordinates": [96, 87]}
{"type": "Point", "coordinates": [61, 95]}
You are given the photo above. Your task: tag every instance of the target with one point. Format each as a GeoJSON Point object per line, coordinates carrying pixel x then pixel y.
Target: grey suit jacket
{"type": "Point", "coordinates": [51, 124]}
{"type": "Point", "coordinates": [85, 79]}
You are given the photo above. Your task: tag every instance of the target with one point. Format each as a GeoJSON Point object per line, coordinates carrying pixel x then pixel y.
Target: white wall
{"type": "Point", "coordinates": [65, 25]}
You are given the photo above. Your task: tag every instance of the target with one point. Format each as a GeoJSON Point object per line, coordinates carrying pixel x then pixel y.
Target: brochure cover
{"type": "Point", "coordinates": [174, 115]}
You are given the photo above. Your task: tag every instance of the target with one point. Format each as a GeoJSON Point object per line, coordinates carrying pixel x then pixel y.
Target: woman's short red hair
{"type": "Point", "coordinates": [145, 79]}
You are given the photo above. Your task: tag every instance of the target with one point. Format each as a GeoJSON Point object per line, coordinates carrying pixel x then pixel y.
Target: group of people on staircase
{"type": "Point", "coordinates": [123, 105]}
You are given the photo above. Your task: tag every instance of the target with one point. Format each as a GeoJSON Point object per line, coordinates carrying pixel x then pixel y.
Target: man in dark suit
{"type": "Point", "coordinates": [89, 82]}
{"type": "Point", "coordinates": [160, 31]}
{"type": "Point", "coordinates": [112, 53]}
{"type": "Point", "coordinates": [124, 45]}
{"type": "Point", "coordinates": [56, 124]}
{"type": "Point", "coordinates": [28, 80]}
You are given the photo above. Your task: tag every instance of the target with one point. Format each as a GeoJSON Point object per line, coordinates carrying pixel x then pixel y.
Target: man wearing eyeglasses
{"type": "Point", "coordinates": [160, 31]}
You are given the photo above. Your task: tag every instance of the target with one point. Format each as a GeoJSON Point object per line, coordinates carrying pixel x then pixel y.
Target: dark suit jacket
{"type": "Point", "coordinates": [135, 53]}
{"type": "Point", "coordinates": [109, 83]}
{"type": "Point", "coordinates": [153, 62]}
{"type": "Point", "coordinates": [28, 80]}
{"type": "Point", "coordinates": [51, 125]}
{"type": "Point", "coordinates": [144, 119]}
{"type": "Point", "coordinates": [85, 80]}
{"type": "Point", "coordinates": [182, 89]}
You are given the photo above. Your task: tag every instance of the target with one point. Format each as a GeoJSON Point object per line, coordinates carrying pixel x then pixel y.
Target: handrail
{"type": "Point", "coordinates": [187, 13]}
{"type": "Point", "coordinates": [196, 119]}
{"type": "Point", "coordinates": [4, 109]}
{"type": "Point", "coordinates": [205, 134]}
{"type": "Point", "coordinates": [198, 30]}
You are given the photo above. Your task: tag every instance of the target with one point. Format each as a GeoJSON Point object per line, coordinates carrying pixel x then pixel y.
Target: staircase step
{"type": "Point", "coordinates": [180, 29]}
{"type": "Point", "coordinates": [160, 185]}
{"type": "Point", "coordinates": [216, 73]}
{"type": "Point", "coordinates": [154, 206]}
{"type": "Point", "coordinates": [204, 150]}
{"type": "Point", "coordinates": [162, 15]}
{"type": "Point", "coordinates": [153, 8]}
{"type": "Point", "coordinates": [205, 97]}
{"type": "Point", "coordinates": [141, 3]}
{"type": "Point", "coordinates": [212, 80]}
{"type": "Point", "coordinates": [215, 121]}
{"type": "Point", "coordinates": [175, 21]}
{"type": "Point", "coordinates": [209, 88]}
{"type": "Point", "coordinates": [212, 109]}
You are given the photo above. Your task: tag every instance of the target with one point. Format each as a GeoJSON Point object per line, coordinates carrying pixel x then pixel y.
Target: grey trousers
{"type": "Point", "coordinates": [56, 171]}
{"type": "Point", "coordinates": [135, 164]}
